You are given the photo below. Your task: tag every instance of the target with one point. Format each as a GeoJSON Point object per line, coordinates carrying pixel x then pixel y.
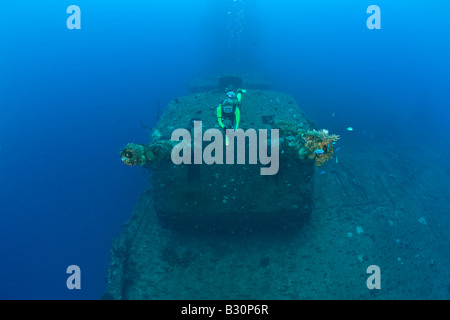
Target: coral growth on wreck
{"type": "Point", "coordinates": [135, 154]}
{"type": "Point", "coordinates": [297, 139]}
{"type": "Point", "coordinates": [307, 144]}
{"type": "Point", "coordinates": [142, 154]}
{"type": "Point", "coordinates": [318, 145]}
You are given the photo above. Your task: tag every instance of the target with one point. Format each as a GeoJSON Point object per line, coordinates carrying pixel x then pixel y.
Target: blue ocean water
{"type": "Point", "coordinates": [71, 99]}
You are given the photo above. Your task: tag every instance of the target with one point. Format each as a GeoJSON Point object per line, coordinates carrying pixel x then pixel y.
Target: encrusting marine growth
{"type": "Point", "coordinates": [142, 154]}
{"type": "Point", "coordinates": [318, 146]}
{"type": "Point", "coordinates": [308, 144]}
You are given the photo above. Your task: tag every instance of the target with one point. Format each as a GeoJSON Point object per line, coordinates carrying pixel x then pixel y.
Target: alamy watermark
{"type": "Point", "coordinates": [74, 20]}
{"type": "Point", "coordinates": [374, 21]}
{"type": "Point", "coordinates": [74, 280]}
{"type": "Point", "coordinates": [374, 280]}
{"type": "Point", "coordinates": [213, 152]}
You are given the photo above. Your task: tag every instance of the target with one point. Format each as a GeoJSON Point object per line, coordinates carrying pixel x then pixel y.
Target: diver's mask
{"type": "Point", "coordinates": [227, 106]}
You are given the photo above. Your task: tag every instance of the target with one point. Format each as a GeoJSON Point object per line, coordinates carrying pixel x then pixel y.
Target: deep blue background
{"type": "Point", "coordinates": [71, 99]}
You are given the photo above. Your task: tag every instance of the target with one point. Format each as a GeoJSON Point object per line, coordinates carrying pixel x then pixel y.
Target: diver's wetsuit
{"type": "Point", "coordinates": [230, 109]}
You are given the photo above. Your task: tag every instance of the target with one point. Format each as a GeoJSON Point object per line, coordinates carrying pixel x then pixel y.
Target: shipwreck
{"type": "Point", "coordinates": [233, 198]}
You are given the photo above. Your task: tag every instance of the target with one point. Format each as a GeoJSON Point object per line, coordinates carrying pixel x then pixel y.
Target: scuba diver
{"type": "Point", "coordinates": [229, 111]}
